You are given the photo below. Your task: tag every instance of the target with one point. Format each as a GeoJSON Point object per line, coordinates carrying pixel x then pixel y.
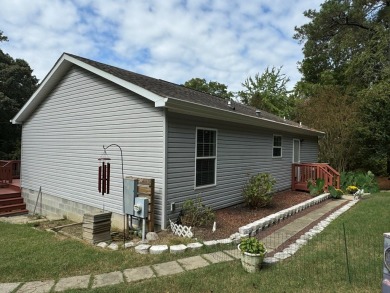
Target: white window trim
{"type": "Point", "coordinates": [281, 147]}
{"type": "Point", "coordinates": [299, 154]}
{"type": "Point", "coordinates": [212, 157]}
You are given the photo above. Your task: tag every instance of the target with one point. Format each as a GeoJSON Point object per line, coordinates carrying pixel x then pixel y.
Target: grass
{"type": "Point", "coordinates": [29, 254]}
{"type": "Point", "coordinates": [320, 266]}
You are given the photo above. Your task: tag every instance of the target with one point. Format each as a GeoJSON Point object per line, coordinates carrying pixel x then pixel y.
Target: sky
{"type": "Point", "coordinates": [174, 40]}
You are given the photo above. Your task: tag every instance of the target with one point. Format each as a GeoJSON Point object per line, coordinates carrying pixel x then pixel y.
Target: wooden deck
{"type": "Point", "coordinates": [11, 200]}
{"type": "Point", "coordinates": [305, 172]}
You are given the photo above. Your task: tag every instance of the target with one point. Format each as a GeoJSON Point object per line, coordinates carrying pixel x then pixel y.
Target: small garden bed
{"type": "Point", "coordinates": [228, 221]}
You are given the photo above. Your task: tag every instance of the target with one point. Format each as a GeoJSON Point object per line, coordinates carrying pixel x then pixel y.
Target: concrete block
{"type": "Point", "coordinates": [180, 248]}
{"type": "Point", "coordinates": [157, 249]}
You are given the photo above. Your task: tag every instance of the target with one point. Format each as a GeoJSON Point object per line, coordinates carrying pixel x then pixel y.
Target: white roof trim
{"type": "Point", "coordinates": [57, 72]}
{"type": "Point", "coordinates": [190, 108]}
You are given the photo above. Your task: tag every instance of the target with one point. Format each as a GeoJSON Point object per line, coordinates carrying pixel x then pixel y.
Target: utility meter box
{"type": "Point", "coordinates": [130, 194]}
{"type": "Point", "coordinates": [141, 207]}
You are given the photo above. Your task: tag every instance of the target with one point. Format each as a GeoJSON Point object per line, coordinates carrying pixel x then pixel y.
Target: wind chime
{"type": "Point", "coordinates": [104, 174]}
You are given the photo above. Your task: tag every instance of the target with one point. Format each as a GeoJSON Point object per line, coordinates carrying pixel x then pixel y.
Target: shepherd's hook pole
{"type": "Point", "coordinates": [123, 191]}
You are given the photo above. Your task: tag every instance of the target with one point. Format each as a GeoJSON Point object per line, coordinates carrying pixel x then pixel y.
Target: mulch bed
{"type": "Point", "coordinates": [384, 183]}
{"type": "Point", "coordinates": [228, 220]}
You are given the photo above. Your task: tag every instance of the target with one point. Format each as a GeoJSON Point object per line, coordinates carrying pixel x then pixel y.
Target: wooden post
{"type": "Point", "coordinates": [293, 177]}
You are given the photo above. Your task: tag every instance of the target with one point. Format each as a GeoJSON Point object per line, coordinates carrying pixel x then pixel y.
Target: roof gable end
{"type": "Point", "coordinates": [62, 66]}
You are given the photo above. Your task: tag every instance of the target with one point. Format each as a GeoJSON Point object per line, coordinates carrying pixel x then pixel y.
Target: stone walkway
{"type": "Point", "coordinates": [167, 268]}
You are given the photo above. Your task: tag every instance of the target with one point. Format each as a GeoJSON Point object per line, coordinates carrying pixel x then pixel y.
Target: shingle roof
{"type": "Point", "coordinates": [170, 90]}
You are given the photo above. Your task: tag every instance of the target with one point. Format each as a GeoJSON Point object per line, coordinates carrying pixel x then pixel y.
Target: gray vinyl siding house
{"type": "Point", "coordinates": [191, 143]}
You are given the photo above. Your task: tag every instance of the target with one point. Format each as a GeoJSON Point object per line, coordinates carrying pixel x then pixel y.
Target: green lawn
{"type": "Point", "coordinates": [320, 266]}
{"type": "Point", "coordinates": [29, 254]}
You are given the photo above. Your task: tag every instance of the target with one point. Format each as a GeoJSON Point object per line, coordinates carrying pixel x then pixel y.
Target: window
{"type": "Point", "coordinates": [277, 147]}
{"type": "Point", "coordinates": [206, 156]}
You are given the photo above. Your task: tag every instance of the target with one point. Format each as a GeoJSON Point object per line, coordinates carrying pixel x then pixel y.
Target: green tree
{"type": "Point", "coordinates": [346, 44]}
{"type": "Point", "coordinates": [268, 92]}
{"type": "Point", "coordinates": [17, 84]}
{"type": "Point", "coordinates": [335, 113]}
{"type": "Point", "coordinates": [212, 87]}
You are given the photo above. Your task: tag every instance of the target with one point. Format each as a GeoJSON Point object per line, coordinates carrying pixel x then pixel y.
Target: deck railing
{"type": "Point", "coordinates": [305, 172]}
{"type": "Point", "coordinates": [9, 170]}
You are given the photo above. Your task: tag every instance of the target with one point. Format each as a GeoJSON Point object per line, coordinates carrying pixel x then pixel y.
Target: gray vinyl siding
{"type": "Point", "coordinates": [309, 150]}
{"type": "Point", "coordinates": [241, 151]}
{"type": "Point", "coordinates": [63, 139]}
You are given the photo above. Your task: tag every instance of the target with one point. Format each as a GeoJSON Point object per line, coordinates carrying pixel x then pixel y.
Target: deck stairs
{"type": "Point", "coordinates": [11, 200]}
{"type": "Point", "coordinates": [304, 172]}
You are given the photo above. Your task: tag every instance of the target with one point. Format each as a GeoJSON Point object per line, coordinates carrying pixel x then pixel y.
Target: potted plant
{"type": "Point", "coordinates": [252, 254]}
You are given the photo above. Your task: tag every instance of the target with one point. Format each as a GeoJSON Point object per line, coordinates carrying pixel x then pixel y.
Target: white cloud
{"type": "Point", "coordinates": [225, 41]}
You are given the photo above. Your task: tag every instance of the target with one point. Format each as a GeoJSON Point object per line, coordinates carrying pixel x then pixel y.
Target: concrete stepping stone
{"type": "Point", "coordinates": [37, 287]}
{"type": "Point", "coordinates": [234, 253]}
{"type": "Point", "coordinates": [108, 279]}
{"type": "Point", "coordinates": [192, 263]}
{"type": "Point", "coordinates": [77, 282]}
{"type": "Point", "coordinates": [8, 287]}
{"type": "Point", "coordinates": [142, 248]}
{"type": "Point", "coordinates": [140, 273]}
{"type": "Point", "coordinates": [217, 257]}
{"type": "Point", "coordinates": [195, 245]}
{"type": "Point", "coordinates": [167, 268]}
{"type": "Point", "coordinates": [180, 248]}
{"type": "Point", "coordinates": [157, 249]}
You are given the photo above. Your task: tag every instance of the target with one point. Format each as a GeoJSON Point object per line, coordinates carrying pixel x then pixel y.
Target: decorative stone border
{"type": "Point", "coordinates": [254, 228]}
{"type": "Point", "coordinates": [251, 229]}
{"type": "Point", "coordinates": [294, 247]}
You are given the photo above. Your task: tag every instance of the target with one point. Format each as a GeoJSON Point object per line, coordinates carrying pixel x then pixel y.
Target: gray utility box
{"type": "Point", "coordinates": [141, 207]}
{"type": "Point", "coordinates": [130, 194]}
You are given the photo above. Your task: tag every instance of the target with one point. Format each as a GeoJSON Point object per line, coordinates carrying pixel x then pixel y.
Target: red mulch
{"type": "Point", "coordinates": [230, 219]}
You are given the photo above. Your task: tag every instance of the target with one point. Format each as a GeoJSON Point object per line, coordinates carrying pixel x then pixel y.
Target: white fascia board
{"type": "Point", "coordinates": [123, 83]}
{"type": "Point", "coordinates": [44, 88]}
{"type": "Point", "coordinates": [194, 109]}
{"type": "Point", "coordinates": [59, 70]}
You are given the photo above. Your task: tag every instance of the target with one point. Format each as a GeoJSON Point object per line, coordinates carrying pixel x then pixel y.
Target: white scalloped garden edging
{"type": "Point", "coordinates": [294, 247]}
{"type": "Point", "coordinates": [252, 229]}
{"type": "Point", "coordinates": [255, 227]}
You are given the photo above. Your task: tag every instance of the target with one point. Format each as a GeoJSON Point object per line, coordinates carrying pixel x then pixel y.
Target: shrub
{"type": "Point", "coordinates": [257, 190]}
{"type": "Point", "coordinates": [361, 180]}
{"type": "Point", "coordinates": [316, 188]}
{"type": "Point", "coordinates": [335, 193]}
{"type": "Point", "coordinates": [196, 214]}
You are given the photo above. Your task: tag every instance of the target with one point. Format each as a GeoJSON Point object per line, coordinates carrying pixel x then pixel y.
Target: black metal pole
{"type": "Point", "coordinates": [346, 254]}
{"type": "Point", "coordinates": [123, 191]}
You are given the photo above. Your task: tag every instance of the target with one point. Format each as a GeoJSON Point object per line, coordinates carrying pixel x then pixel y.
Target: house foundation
{"type": "Point", "coordinates": [56, 207]}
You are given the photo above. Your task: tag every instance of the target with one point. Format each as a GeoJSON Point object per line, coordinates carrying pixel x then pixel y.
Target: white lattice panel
{"type": "Point", "coordinates": [180, 230]}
